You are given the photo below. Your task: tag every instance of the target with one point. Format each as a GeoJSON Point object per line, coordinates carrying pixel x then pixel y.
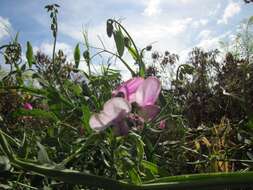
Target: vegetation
{"type": "Point", "coordinates": [193, 132]}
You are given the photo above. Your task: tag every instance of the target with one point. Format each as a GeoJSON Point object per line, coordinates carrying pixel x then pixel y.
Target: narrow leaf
{"type": "Point", "coordinates": [120, 42]}
{"type": "Point", "coordinates": [134, 176]}
{"type": "Point", "coordinates": [29, 54]}
{"type": "Point", "coordinates": [42, 154]}
{"type": "Point", "coordinates": [77, 55]}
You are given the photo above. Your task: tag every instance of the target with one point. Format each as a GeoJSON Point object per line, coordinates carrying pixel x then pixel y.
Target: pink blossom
{"type": "Point", "coordinates": [114, 112]}
{"type": "Point", "coordinates": [144, 92]}
{"type": "Point", "coordinates": [162, 124]}
{"type": "Point", "coordinates": [28, 106]}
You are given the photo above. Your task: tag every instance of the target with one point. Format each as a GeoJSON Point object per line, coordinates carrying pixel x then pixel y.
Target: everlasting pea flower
{"type": "Point", "coordinates": [143, 92]}
{"type": "Point", "coordinates": [28, 106]}
{"type": "Point", "coordinates": [114, 112]}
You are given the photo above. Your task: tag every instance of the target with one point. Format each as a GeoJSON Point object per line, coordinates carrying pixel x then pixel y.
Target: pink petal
{"type": "Point", "coordinates": [117, 108]}
{"type": "Point", "coordinates": [114, 110]}
{"type": "Point", "coordinates": [162, 124]}
{"type": "Point", "coordinates": [28, 106]}
{"type": "Point", "coordinates": [149, 112]}
{"type": "Point", "coordinates": [148, 92]}
{"type": "Point", "coordinates": [128, 88]}
{"type": "Point", "coordinates": [100, 121]}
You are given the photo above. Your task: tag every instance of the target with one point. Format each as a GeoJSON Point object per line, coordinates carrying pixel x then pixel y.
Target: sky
{"type": "Point", "coordinates": [173, 25]}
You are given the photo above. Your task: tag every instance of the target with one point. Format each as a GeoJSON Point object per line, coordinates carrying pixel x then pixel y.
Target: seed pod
{"type": "Point", "coordinates": [109, 27]}
{"type": "Point", "coordinates": [148, 48]}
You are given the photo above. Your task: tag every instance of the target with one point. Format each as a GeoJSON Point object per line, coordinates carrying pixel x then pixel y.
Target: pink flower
{"type": "Point", "coordinates": [114, 112]}
{"type": "Point", "coordinates": [143, 92]}
{"type": "Point", "coordinates": [162, 124]}
{"type": "Point", "coordinates": [27, 106]}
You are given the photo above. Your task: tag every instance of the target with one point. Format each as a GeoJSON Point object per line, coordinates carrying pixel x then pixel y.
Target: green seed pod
{"type": "Point", "coordinates": [109, 27]}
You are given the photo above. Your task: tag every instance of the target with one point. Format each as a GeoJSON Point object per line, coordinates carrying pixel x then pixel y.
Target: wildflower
{"type": "Point", "coordinates": [142, 91]}
{"type": "Point", "coordinates": [114, 112]}
{"type": "Point", "coordinates": [28, 106]}
{"type": "Point", "coordinates": [162, 124]}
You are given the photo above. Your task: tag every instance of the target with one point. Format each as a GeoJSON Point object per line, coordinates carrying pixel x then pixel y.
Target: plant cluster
{"type": "Point", "coordinates": [64, 128]}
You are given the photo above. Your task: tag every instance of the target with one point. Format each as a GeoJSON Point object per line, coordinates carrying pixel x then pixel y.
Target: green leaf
{"type": "Point", "coordinates": [86, 118]}
{"type": "Point", "coordinates": [139, 145]}
{"type": "Point", "coordinates": [150, 166]}
{"type": "Point", "coordinates": [24, 148]}
{"type": "Point", "coordinates": [120, 42]}
{"type": "Point", "coordinates": [194, 181]}
{"type": "Point", "coordinates": [42, 155]}
{"type": "Point", "coordinates": [86, 56]}
{"type": "Point", "coordinates": [37, 113]}
{"type": "Point", "coordinates": [16, 38]}
{"type": "Point", "coordinates": [134, 176]}
{"type": "Point", "coordinates": [77, 55]}
{"type": "Point", "coordinates": [29, 54]}
{"type": "Point", "coordinates": [133, 53]}
{"type": "Point", "coordinates": [77, 89]}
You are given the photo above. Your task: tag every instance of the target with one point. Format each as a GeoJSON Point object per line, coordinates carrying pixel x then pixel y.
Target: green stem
{"type": "Point", "coordinates": [141, 64]}
{"type": "Point", "coordinates": [114, 54]}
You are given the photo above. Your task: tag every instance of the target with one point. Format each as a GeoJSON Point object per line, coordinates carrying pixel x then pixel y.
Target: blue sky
{"type": "Point", "coordinates": [175, 25]}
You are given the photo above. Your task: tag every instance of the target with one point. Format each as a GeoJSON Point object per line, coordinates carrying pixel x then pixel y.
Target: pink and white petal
{"type": "Point", "coordinates": [114, 110]}
{"type": "Point", "coordinates": [116, 106]}
{"type": "Point", "coordinates": [148, 92]}
{"type": "Point", "coordinates": [149, 112]}
{"type": "Point", "coordinates": [129, 87]}
{"type": "Point", "coordinates": [99, 122]}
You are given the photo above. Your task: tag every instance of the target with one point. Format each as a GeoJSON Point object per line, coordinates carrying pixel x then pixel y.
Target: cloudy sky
{"type": "Point", "coordinates": [175, 25]}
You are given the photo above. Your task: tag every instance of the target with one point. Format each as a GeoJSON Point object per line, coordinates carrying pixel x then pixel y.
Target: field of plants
{"type": "Point", "coordinates": [65, 128]}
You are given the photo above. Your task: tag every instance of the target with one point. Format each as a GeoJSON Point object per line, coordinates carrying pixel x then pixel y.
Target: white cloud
{"type": "Point", "coordinates": [231, 10]}
{"type": "Point", "coordinates": [209, 42]}
{"type": "Point", "coordinates": [200, 23]}
{"type": "Point", "coordinates": [185, 1]}
{"type": "Point", "coordinates": [152, 8]}
{"type": "Point", "coordinates": [5, 26]}
{"type": "Point", "coordinates": [215, 11]}
{"type": "Point", "coordinates": [204, 34]}
{"type": "Point", "coordinates": [47, 48]}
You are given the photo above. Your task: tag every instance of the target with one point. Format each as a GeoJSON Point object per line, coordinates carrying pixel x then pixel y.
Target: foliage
{"type": "Point", "coordinates": [206, 111]}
